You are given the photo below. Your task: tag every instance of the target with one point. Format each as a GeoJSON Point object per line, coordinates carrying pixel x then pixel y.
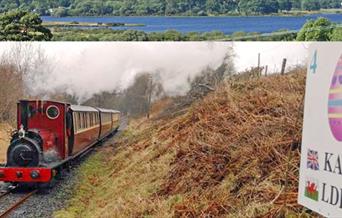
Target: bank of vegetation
{"type": "Point", "coordinates": [230, 149]}
{"type": "Point", "coordinates": [168, 8]}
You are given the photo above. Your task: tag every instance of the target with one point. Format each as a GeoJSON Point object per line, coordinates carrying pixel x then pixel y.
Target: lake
{"type": "Point", "coordinates": [261, 24]}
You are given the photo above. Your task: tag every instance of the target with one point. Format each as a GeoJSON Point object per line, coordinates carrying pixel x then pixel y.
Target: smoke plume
{"type": "Point", "coordinates": [86, 68]}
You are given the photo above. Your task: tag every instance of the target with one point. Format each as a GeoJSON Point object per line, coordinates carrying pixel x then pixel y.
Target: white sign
{"type": "Point", "coordinates": [320, 184]}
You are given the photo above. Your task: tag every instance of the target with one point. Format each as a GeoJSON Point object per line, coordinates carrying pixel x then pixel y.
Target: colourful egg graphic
{"type": "Point", "coordinates": [335, 102]}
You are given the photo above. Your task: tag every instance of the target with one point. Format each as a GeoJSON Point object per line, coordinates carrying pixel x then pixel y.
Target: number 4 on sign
{"type": "Point", "coordinates": [313, 65]}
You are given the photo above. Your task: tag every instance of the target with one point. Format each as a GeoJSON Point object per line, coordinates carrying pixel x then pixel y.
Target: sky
{"type": "Point", "coordinates": [85, 68]}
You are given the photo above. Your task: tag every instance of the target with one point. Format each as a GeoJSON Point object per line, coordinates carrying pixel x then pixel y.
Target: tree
{"type": "Point", "coordinates": [284, 5]}
{"type": "Point", "coordinates": [172, 35]}
{"type": "Point", "coordinates": [330, 3]}
{"type": "Point", "coordinates": [21, 25]}
{"type": "Point", "coordinates": [10, 91]}
{"type": "Point", "coordinates": [336, 34]}
{"type": "Point", "coordinates": [146, 87]}
{"type": "Point", "coordinates": [60, 12]}
{"type": "Point", "coordinates": [212, 6]}
{"type": "Point", "coordinates": [258, 6]}
{"type": "Point", "coordinates": [316, 30]}
{"type": "Point", "coordinates": [270, 6]}
{"type": "Point", "coordinates": [311, 5]}
{"type": "Point", "coordinates": [296, 4]}
{"type": "Point", "coordinates": [209, 79]}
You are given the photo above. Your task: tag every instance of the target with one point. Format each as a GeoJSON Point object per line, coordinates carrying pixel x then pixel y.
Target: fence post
{"type": "Point", "coordinates": [283, 66]}
{"type": "Point", "coordinates": [266, 69]}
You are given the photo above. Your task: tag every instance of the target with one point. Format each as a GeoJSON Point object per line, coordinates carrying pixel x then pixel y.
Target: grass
{"type": "Point", "coordinates": [121, 182]}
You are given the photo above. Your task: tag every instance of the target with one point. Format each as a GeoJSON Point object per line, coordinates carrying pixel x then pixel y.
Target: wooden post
{"type": "Point", "coordinates": [283, 66]}
{"type": "Point", "coordinates": [266, 69]}
{"type": "Point", "coordinates": [258, 60]}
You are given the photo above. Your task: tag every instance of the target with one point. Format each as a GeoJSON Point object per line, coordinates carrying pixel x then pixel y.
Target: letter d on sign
{"type": "Point", "coordinates": [334, 195]}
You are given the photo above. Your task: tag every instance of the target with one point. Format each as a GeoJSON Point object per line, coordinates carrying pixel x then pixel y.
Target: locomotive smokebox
{"type": "Point", "coordinates": [24, 152]}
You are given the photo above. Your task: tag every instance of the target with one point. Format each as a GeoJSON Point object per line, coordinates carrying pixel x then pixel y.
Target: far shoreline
{"type": "Point", "coordinates": [282, 14]}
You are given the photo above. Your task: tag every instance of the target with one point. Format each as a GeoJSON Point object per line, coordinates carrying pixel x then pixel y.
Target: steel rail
{"type": "Point", "coordinates": [16, 204]}
{"type": "Point", "coordinates": [3, 194]}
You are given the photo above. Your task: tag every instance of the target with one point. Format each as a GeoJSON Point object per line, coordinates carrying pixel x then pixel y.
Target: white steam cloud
{"type": "Point", "coordinates": [86, 68]}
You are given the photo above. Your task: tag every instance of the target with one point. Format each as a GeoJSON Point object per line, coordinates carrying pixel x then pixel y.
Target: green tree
{"type": "Point", "coordinates": [336, 34]}
{"type": "Point", "coordinates": [258, 6]}
{"type": "Point", "coordinates": [311, 5]}
{"type": "Point", "coordinates": [270, 6]}
{"type": "Point", "coordinates": [284, 5]}
{"type": "Point", "coordinates": [316, 30]}
{"type": "Point", "coordinates": [296, 4]}
{"type": "Point", "coordinates": [20, 25]}
{"type": "Point", "coordinates": [59, 12]}
{"type": "Point", "coordinates": [172, 35]}
{"type": "Point", "coordinates": [212, 6]}
{"type": "Point", "coordinates": [330, 3]}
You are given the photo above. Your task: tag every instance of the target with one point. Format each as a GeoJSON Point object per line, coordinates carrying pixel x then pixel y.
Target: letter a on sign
{"type": "Point", "coordinates": [320, 182]}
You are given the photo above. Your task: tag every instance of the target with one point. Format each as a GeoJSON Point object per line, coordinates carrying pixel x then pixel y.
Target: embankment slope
{"type": "Point", "coordinates": [235, 153]}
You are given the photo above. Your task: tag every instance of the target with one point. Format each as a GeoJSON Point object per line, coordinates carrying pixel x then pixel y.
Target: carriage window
{"type": "Point", "coordinates": [78, 122]}
{"type": "Point", "coordinates": [88, 120]}
{"type": "Point", "coordinates": [75, 123]}
{"type": "Point", "coordinates": [84, 120]}
{"type": "Point", "coordinates": [81, 121]}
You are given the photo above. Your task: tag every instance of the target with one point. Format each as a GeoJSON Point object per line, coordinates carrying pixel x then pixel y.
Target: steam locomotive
{"type": "Point", "coordinates": [50, 135]}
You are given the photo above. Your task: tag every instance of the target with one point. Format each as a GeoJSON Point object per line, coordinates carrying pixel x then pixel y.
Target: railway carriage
{"type": "Point", "coordinates": [49, 135]}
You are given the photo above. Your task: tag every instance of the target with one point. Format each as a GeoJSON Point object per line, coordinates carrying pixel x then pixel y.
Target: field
{"type": "Point", "coordinates": [234, 154]}
{"type": "Point", "coordinates": [5, 131]}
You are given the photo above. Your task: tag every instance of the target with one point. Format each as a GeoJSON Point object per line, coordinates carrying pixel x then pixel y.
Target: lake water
{"type": "Point", "coordinates": [261, 24]}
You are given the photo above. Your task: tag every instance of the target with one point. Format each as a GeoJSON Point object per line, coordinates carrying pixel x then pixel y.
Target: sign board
{"type": "Point", "coordinates": [320, 183]}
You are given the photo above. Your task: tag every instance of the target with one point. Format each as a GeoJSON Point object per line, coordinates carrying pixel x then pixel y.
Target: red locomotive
{"type": "Point", "coordinates": [50, 134]}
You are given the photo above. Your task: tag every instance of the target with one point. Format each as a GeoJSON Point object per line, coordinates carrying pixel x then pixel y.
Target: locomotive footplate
{"type": "Point", "coordinates": [20, 174]}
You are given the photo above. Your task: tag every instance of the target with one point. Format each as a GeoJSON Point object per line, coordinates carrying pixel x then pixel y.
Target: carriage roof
{"type": "Point", "coordinates": [108, 110]}
{"type": "Point", "coordinates": [79, 108]}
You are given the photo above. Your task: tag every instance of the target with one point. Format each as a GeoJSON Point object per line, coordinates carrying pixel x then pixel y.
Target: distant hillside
{"type": "Point", "coordinates": [162, 7]}
{"type": "Point", "coordinates": [233, 154]}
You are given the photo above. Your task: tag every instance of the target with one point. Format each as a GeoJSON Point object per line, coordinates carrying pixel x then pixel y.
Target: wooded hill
{"type": "Point", "coordinates": [164, 7]}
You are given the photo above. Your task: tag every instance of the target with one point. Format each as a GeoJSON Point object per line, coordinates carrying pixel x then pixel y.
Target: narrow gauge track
{"type": "Point", "coordinates": [4, 193]}
{"type": "Point", "coordinates": [12, 200]}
